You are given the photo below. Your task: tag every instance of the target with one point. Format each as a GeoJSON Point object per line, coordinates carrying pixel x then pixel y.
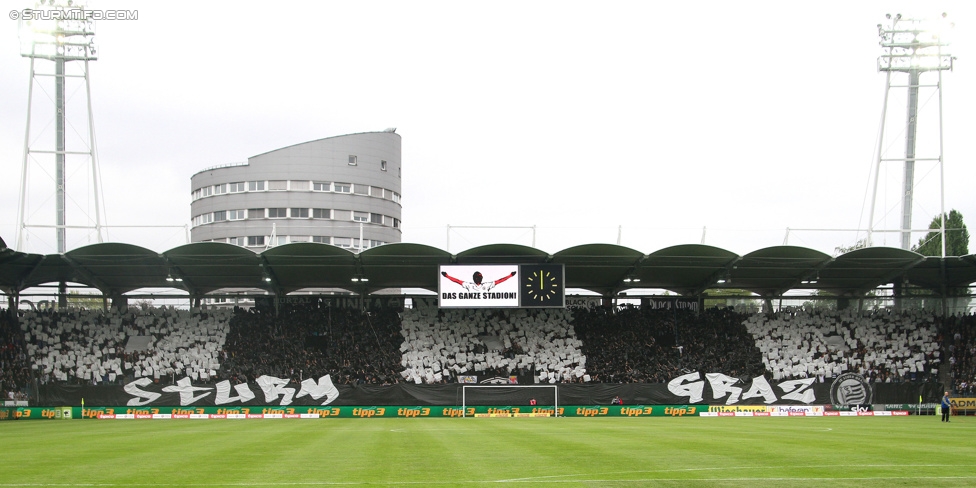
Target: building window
{"type": "Point", "coordinates": [360, 216]}
{"type": "Point", "coordinates": [219, 216]}
{"type": "Point", "coordinates": [255, 241]}
{"type": "Point", "coordinates": [301, 238]}
{"type": "Point", "coordinates": [361, 189]}
{"type": "Point", "coordinates": [206, 191]}
{"type": "Point", "coordinates": [396, 197]}
{"type": "Point", "coordinates": [376, 192]}
{"type": "Point", "coordinates": [237, 241]}
{"type": "Point", "coordinates": [343, 187]}
{"type": "Point", "coordinates": [299, 185]}
{"type": "Point", "coordinates": [382, 165]}
{"type": "Point", "coordinates": [255, 186]}
{"type": "Point", "coordinates": [322, 186]}
{"type": "Point", "coordinates": [196, 194]}
{"type": "Point", "coordinates": [278, 185]}
{"type": "Point", "coordinates": [203, 219]}
{"type": "Point", "coordinates": [255, 213]}
{"type": "Point", "coordinates": [219, 189]}
{"type": "Point", "coordinates": [376, 218]}
{"type": "Point", "coordinates": [321, 239]}
{"type": "Point", "coordinates": [343, 242]}
{"type": "Point", "coordinates": [236, 187]}
{"type": "Point", "coordinates": [279, 241]}
{"type": "Point", "coordinates": [235, 215]}
{"type": "Point", "coordinates": [353, 160]}
{"type": "Point", "coordinates": [396, 223]}
{"type": "Point", "coordinates": [277, 213]}
{"type": "Point", "coordinates": [321, 213]}
{"type": "Point", "coordinates": [299, 213]}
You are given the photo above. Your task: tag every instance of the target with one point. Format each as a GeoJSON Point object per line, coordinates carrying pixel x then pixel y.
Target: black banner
{"type": "Point", "coordinates": [692, 388]}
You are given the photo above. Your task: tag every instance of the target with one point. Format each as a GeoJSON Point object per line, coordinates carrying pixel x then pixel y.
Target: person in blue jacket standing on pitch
{"type": "Point", "coordinates": [946, 407]}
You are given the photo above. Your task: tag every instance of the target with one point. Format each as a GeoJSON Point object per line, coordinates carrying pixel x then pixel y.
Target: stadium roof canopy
{"type": "Point", "coordinates": [606, 269]}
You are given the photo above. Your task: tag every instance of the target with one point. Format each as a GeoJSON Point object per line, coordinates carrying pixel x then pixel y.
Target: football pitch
{"type": "Point", "coordinates": [564, 452]}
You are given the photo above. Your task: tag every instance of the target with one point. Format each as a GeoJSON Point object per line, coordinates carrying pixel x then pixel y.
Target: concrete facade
{"type": "Point", "coordinates": [329, 190]}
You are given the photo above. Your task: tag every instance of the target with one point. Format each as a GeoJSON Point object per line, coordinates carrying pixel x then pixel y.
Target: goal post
{"type": "Point", "coordinates": [537, 396]}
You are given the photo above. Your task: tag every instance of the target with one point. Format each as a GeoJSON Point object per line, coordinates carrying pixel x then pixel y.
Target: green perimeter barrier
{"type": "Point", "coordinates": [371, 412]}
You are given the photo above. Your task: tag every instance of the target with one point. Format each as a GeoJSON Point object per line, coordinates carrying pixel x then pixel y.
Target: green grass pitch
{"type": "Point", "coordinates": [537, 452]}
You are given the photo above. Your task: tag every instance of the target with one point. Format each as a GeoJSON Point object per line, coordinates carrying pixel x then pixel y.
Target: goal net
{"type": "Point", "coordinates": [528, 396]}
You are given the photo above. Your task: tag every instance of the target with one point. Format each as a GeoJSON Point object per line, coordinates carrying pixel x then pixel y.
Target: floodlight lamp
{"type": "Point", "coordinates": [58, 30]}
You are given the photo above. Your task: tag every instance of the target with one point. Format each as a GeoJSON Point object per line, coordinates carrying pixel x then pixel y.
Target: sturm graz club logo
{"type": "Point", "coordinates": [850, 389]}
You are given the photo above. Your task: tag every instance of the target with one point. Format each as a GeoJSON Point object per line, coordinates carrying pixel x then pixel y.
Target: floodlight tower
{"type": "Point", "coordinates": [912, 47]}
{"type": "Point", "coordinates": [58, 31]}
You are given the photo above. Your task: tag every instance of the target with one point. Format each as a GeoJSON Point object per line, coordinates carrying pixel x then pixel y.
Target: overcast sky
{"type": "Point", "coordinates": [657, 123]}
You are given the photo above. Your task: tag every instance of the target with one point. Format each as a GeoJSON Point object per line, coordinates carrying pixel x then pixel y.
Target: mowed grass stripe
{"type": "Point", "coordinates": [473, 452]}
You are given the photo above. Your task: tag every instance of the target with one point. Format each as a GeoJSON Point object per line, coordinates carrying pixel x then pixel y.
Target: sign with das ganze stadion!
{"type": "Point", "coordinates": [502, 286]}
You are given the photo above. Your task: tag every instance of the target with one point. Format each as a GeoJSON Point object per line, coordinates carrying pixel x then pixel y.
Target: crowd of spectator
{"type": "Point", "coordinates": [79, 346]}
{"type": "Point", "coordinates": [635, 345]}
{"type": "Point", "coordinates": [958, 339]}
{"type": "Point", "coordinates": [880, 345]}
{"type": "Point", "coordinates": [15, 370]}
{"type": "Point", "coordinates": [441, 345]}
{"type": "Point", "coordinates": [603, 345]}
{"type": "Point", "coordinates": [309, 342]}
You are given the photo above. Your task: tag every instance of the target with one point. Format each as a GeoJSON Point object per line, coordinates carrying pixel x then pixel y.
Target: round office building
{"type": "Point", "coordinates": [343, 191]}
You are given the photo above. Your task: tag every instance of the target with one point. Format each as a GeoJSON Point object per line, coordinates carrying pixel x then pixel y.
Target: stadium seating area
{"type": "Point", "coordinates": [882, 346]}
{"type": "Point", "coordinates": [636, 345]}
{"type": "Point", "coordinates": [14, 368]}
{"type": "Point", "coordinates": [304, 342]}
{"type": "Point", "coordinates": [87, 346]}
{"type": "Point", "coordinates": [438, 346]}
{"type": "Point", "coordinates": [959, 342]}
{"type": "Point", "coordinates": [427, 346]}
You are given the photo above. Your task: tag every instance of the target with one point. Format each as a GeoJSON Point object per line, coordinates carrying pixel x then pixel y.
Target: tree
{"type": "Point", "coordinates": [731, 297]}
{"type": "Point", "coordinates": [84, 300]}
{"type": "Point", "coordinates": [957, 237]}
{"type": "Point", "coordinates": [957, 244]}
{"type": "Point", "coordinates": [860, 244]}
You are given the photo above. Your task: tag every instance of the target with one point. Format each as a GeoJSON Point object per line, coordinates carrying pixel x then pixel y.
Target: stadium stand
{"type": "Point", "coordinates": [87, 346]}
{"type": "Point", "coordinates": [958, 340]}
{"type": "Point", "coordinates": [882, 346]}
{"type": "Point", "coordinates": [633, 345]}
{"type": "Point", "coordinates": [441, 345]}
{"type": "Point", "coordinates": [429, 346]}
{"type": "Point", "coordinates": [303, 342]}
{"type": "Point", "coordinates": [15, 371]}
